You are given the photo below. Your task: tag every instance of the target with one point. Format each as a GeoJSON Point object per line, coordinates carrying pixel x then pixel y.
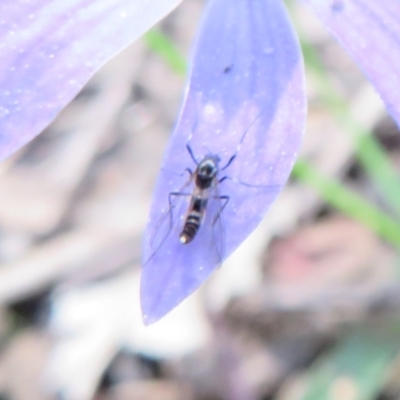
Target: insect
{"type": "Point", "coordinates": [206, 180]}
{"type": "Point", "coordinates": [197, 211]}
{"type": "Point", "coordinates": [203, 211]}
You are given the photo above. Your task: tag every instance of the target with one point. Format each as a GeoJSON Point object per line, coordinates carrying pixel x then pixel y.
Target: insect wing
{"type": "Point", "coordinates": [178, 269]}
{"type": "Point", "coordinates": [212, 230]}
{"type": "Point", "coordinates": [171, 220]}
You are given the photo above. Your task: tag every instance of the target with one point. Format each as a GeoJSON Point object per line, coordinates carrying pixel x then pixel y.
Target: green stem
{"type": "Point", "coordinates": [348, 202]}
{"type": "Point", "coordinates": [369, 152]}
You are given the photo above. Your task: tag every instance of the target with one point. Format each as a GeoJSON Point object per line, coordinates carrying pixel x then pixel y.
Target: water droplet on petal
{"type": "Point", "coordinates": [268, 50]}
{"type": "Point", "coordinates": [3, 112]}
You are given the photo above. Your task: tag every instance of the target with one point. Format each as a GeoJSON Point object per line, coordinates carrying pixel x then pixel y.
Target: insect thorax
{"type": "Point", "coordinates": [206, 172]}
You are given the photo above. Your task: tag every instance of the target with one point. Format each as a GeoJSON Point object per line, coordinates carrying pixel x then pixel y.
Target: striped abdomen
{"type": "Point", "coordinates": [193, 220]}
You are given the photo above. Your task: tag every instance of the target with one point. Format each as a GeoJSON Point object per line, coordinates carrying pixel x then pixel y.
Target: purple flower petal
{"type": "Point", "coordinates": [370, 31]}
{"type": "Point", "coordinates": [246, 82]}
{"type": "Point", "coordinates": [49, 49]}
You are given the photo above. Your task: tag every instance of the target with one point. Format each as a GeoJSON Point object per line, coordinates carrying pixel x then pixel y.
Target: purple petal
{"type": "Point", "coordinates": [49, 49]}
{"type": "Point", "coordinates": [370, 31]}
{"type": "Point", "coordinates": [246, 81]}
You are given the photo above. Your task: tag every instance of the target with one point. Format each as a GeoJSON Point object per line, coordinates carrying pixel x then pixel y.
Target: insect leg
{"type": "Point", "coordinates": [229, 162]}
{"type": "Point", "coordinates": [189, 149]}
{"type": "Point", "coordinates": [249, 184]}
{"type": "Point", "coordinates": [224, 198]}
{"type": "Point", "coordinates": [177, 173]}
{"type": "Point", "coordinates": [161, 230]}
{"type": "Point", "coordinates": [177, 194]}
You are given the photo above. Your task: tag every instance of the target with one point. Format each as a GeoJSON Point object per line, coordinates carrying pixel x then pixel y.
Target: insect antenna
{"type": "Point", "coordinates": [229, 162]}
{"type": "Point", "coordinates": [249, 185]}
{"type": "Point", "coordinates": [189, 149]}
{"type": "Point", "coordinates": [242, 139]}
{"type": "Point", "coordinates": [249, 127]}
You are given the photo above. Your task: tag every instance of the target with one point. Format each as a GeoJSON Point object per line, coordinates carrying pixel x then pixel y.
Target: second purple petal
{"type": "Point", "coordinates": [370, 31]}
{"type": "Point", "coordinates": [49, 49]}
{"type": "Point", "coordinates": [246, 97]}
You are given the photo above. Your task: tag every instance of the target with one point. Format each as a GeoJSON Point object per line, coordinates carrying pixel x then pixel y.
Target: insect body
{"type": "Point", "coordinates": [203, 216]}
{"type": "Point", "coordinates": [200, 217]}
{"type": "Point", "coordinates": [205, 179]}
{"type": "Point", "coordinates": [206, 182]}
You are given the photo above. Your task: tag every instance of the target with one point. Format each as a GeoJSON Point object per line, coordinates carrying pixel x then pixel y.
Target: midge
{"type": "Point", "coordinates": [203, 211]}
{"type": "Point", "coordinates": [205, 178]}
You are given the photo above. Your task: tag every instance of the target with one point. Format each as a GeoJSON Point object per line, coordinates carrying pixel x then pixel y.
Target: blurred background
{"type": "Point", "coordinates": [307, 308]}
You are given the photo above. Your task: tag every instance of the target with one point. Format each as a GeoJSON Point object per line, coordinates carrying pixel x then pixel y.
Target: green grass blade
{"type": "Point", "coordinates": [163, 46]}
{"type": "Point", "coordinates": [348, 202]}
{"type": "Point", "coordinates": [356, 368]}
{"type": "Point", "coordinates": [368, 150]}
